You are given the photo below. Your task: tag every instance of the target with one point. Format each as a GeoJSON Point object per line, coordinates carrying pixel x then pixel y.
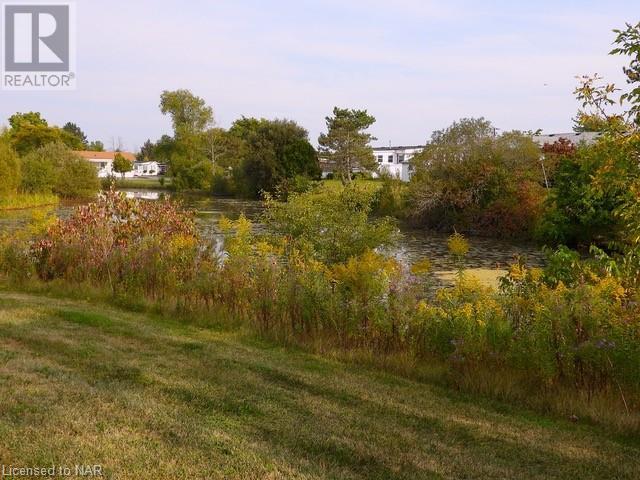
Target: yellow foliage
{"type": "Point", "coordinates": [458, 245]}
{"type": "Point", "coordinates": [421, 267]}
{"type": "Point", "coordinates": [182, 243]}
{"type": "Point", "coordinates": [367, 266]}
{"type": "Point", "coordinates": [41, 220]}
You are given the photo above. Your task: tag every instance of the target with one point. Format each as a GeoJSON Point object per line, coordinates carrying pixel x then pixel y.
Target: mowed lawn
{"type": "Point", "coordinates": [149, 398]}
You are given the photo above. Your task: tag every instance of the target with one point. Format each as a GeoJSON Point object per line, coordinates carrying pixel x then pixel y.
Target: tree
{"type": "Point", "coordinates": [469, 178]}
{"type": "Point", "coordinates": [164, 147]}
{"type": "Point", "coordinates": [29, 131]}
{"type": "Point", "coordinates": [9, 169]}
{"type": "Point", "coordinates": [595, 196]}
{"type": "Point", "coordinates": [190, 114]}
{"type": "Point", "coordinates": [190, 173]}
{"type": "Point", "coordinates": [270, 152]}
{"type": "Point", "coordinates": [18, 119]}
{"type": "Point", "coordinates": [76, 131]}
{"type": "Point", "coordinates": [96, 146]}
{"type": "Point", "coordinates": [121, 164]}
{"type": "Point", "coordinates": [147, 152]}
{"type": "Point", "coordinates": [598, 96]}
{"type": "Point", "coordinates": [54, 168]}
{"type": "Point", "coordinates": [186, 152]}
{"type": "Point", "coordinates": [628, 43]}
{"type": "Point", "coordinates": [590, 185]}
{"type": "Point", "coordinates": [346, 144]}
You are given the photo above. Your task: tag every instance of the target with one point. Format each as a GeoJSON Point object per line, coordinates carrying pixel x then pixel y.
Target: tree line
{"type": "Point", "coordinates": [254, 155]}
{"type": "Point", "coordinates": [38, 158]}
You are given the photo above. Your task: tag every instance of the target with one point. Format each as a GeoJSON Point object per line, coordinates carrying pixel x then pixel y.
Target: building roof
{"type": "Point", "coordinates": [90, 155]}
{"type": "Point", "coordinates": [576, 138]}
{"type": "Point", "coordinates": [401, 147]}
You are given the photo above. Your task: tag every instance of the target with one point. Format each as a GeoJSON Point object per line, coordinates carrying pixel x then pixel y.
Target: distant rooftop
{"type": "Point", "coordinates": [400, 147]}
{"type": "Point", "coordinates": [91, 155]}
{"type": "Point", "coordinates": [576, 138]}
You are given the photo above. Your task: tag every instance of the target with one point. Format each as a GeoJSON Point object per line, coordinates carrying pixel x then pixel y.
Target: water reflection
{"type": "Point", "coordinates": [143, 194]}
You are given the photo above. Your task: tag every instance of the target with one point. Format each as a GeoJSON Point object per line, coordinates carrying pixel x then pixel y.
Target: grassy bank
{"type": "Point", "coordinates": [151, 398]}
{"type": "Point", "coordinates": [369, 185]}
{"type": "Point", "coordinates": [155, 183]}
{"type": "Point", "coordinates": [27, 200]}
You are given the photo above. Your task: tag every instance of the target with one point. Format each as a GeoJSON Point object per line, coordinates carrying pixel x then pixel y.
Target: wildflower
{"type": "Point", "coordinates": [458, 245]}
{"type": "Point", "coordinates": [421, 267]}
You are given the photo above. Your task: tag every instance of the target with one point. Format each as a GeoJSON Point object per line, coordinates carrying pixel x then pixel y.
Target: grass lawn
{"type": "Point", "coordinates": [151, 398]}
{"type": "Point", "coordinates": [370, 185]}
{"type": "Point", "coordinates": [152, 183]}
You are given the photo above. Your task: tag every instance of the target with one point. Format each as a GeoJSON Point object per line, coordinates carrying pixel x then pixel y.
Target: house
{"type": "Point", "coordinates": [576, 138]}
{"type": "Point", "coordinates": [103, 162]}
{"type": "Point", "coordinates": [396, 161]}
{"type": "Point", "coordinates": [146, 169]}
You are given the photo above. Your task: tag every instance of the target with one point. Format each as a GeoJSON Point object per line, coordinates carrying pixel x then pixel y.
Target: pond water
{"type": "Point", "coordinates": [487, 257]}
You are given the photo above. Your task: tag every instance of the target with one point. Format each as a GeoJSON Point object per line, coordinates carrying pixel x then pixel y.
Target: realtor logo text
{"type": "Point", "coordinates": [39, 46]}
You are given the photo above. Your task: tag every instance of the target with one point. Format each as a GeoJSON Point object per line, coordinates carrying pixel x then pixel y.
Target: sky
{"type": "Point", "coordinates": [416, 65]}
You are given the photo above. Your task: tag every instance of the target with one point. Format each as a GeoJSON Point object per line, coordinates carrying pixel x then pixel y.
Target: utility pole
{"type": "Point", "coordinates": [544, 172]}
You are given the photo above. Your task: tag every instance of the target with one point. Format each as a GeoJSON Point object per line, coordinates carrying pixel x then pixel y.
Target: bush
{"type": "Point", "coordinates": [134, 247]}
{"type": "Point", "coordinates": [54, 168]}
{"type": "Point", "coordinates": [9, 170]}
{"type": "Point", "coordinates": [189, 173]}
{"type": "Point", "coordinates": [391, 198]}
{"type": "Point", "coordinates": [223, 183]}
{"type": "Point", "coordinates": [469, 179]}
{"type": "Point", "coordinates": [590, 185]}
{"type": "Point", "coordinates": [331, 227]}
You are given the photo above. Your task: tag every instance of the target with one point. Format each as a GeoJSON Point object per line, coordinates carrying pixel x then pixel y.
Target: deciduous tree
{"type": "Point", "coordinates": [470, 178]}
{"type": "Point", "coordinates": [121, 164]}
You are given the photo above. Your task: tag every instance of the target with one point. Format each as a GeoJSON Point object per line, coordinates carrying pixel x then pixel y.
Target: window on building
{"type": "Point", "coordinates": [400, 158]}
{"type": "Point", "coordinates": [390, 159]}
{"type": "Point", "coordinates": [379, 158]}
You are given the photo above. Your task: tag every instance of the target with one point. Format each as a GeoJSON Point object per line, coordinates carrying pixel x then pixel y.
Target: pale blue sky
{"type": "Point", "coordinates": [415, 65]}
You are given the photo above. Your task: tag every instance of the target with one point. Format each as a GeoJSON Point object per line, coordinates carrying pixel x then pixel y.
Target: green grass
{"type": "Point", "coordinates": [27, 200]}
{"type": "Point", "coordinates": [146, 183]}
{"type": "Point", "coordinates": [152, 398]}
{"type": "Point", "coordinates": [370, 185]}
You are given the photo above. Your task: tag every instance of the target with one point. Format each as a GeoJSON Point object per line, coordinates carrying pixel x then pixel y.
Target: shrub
{"type": "Point", "coordinates": [468, 178]}
{"type": "Point", "coordinates": [573, 326]}
{"type": "Point", "coordinates": [133, 246]}
{"type": "Point", "coordinates": [332, 227]}
{"type": "Point", "coordinates": [9, 170]}
{"type": "Point", "coordinates": [590, 186]}
{"type": "Point", "coordinates": [55, 168]}
{"type": "Point", "coordinates": [391, 198]}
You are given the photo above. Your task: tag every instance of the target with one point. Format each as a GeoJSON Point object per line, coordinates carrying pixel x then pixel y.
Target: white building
{"type": "Point", "coordinates": [396, 161]}
{"type": "Point", "coordinates": [146, 169]}
{"type": "Point", "coordinates": [576, 138]}
{"type": "Point", "coordinates": [103, 162]}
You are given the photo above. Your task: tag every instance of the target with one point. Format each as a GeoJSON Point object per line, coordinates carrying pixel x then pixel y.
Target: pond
{"type": "Point", "coordinates": [487, 257]}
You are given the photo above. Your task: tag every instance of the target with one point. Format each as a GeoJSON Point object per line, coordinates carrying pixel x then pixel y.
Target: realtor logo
{"type": "Point", "coordinates": [39, 46]}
